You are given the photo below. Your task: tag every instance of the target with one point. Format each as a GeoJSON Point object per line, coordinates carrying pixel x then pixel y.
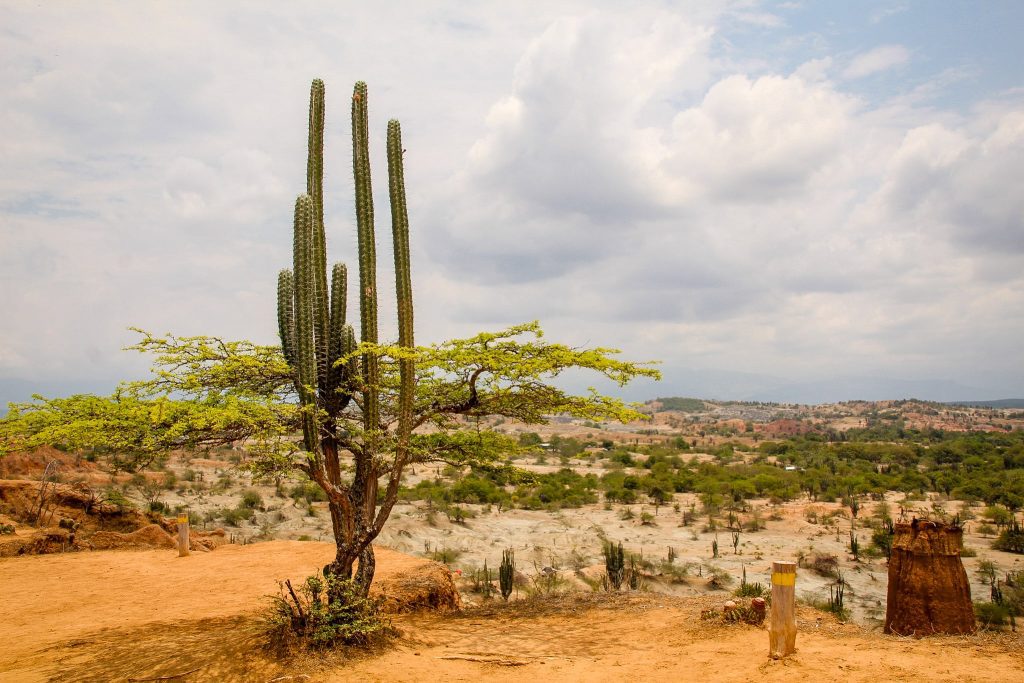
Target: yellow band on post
{"type": "Point", "coordinates": [787, 579]}
{"type": "Point", "coordinates": [182, 519]}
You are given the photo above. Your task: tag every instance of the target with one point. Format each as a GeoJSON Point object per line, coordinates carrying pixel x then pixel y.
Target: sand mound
{"type": "Point", "coordinates": [35, 543]}
{"type": "Point", "coordinates": [427, 586]}
{"type": "Point", "coordinates": [32, 464]}
{"type": "Point", "coordinates": [152, 536]}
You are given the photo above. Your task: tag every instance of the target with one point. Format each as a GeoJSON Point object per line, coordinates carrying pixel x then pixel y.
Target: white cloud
{"type": "Point", "coordinates": [632, 178]}
{"type": "Point", "coordinates": [874, 61]}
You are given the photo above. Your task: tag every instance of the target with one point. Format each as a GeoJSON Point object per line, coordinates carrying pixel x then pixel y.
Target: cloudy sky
{"type": "Point", "coordinates": [788, 200]}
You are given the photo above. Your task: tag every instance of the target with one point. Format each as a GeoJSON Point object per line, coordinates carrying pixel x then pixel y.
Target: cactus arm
{"type": "Point", "coordinates": [305, 350]}
{"type": "Point", "coordinates": [336, 338]}
{"type": "Point", "coordinates": [403, 280]}
{"type": "Point", "coordinates": [403, 294]}
{"type": "Point", "coordinates": [315, 190]}
{"type": "Point", "coordinates": [286, 314]}
{"type": "Point", "coordinates": [367, 254]}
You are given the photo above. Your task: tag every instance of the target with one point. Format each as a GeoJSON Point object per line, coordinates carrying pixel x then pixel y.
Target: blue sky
{"type": "Point", "coordinates": [792, 200]}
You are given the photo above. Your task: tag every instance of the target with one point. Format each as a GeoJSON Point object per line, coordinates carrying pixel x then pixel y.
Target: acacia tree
{"type": "Point", "coordinates": [365, 411]}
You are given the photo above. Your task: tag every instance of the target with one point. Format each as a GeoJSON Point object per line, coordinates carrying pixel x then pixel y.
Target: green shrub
{"type": "Point", "coordinates": [252, 499]}
{"type": "Point", "coordinates": [1011, 539]}
{"type": "Point", "coordinates": [117, 498]}
{"type": "Point", "coordinates": [233, 517]}
{"type": "Point", "coordinates": [990, 615]}
{"type": "Point", "coordinates": [325, 611]}
{"type": "Point", "coordinates": [308, 491]}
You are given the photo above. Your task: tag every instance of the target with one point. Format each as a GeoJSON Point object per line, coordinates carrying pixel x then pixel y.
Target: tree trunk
{"type": "Point", "coordinates": [354, 561]}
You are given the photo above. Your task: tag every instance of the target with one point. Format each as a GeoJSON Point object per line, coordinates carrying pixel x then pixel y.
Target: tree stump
{"type": "Point", "coordinates": [928, 588]}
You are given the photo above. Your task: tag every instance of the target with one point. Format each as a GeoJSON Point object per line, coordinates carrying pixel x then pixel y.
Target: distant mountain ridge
{"type": "Point", "coordinates": [1000, 403]}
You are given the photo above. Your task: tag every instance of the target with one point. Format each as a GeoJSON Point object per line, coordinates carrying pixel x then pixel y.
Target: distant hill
{"type": "Point", "coordinates": [1001, 403]}
{"type": "Point", "coordinates": [686, 405]}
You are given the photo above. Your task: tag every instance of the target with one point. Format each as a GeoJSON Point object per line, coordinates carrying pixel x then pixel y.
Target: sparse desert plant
{"type": "Point", "coordinates": [836, 599]}
{"type": "Point", "coordinates": [719, 579]}
{"type": "Point", "coordinates": [854, 545]}
{"type": "Point", "coordinates": [714, 548]}
{"type": "Point", "coordinates": [881, 538]}
{"type": "Point", "coordinates": [825, 564]}
{"type": "Point", "coordinates": [752, 590]}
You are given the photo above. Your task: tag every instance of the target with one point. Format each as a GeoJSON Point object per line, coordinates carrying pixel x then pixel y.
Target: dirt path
{"type": "Point", "coordinates": [118, 616]}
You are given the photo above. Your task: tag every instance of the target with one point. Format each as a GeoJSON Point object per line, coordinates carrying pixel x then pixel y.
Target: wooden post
{"type": "Point", "coordinates": [782, 627]}
{"type": "Point", "coordinates": [183, 535]}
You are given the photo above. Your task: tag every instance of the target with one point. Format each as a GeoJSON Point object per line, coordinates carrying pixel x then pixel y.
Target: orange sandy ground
{"type": "Point", "coordinates": [121, 616]}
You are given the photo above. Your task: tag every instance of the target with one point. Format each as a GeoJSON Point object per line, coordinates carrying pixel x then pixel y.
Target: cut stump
{"type": "Point", "coordinates": [928, 588]}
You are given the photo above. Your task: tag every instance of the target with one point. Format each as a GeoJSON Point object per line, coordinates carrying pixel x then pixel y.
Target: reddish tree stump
{"type": "Point", "coordinates": [928, 589]}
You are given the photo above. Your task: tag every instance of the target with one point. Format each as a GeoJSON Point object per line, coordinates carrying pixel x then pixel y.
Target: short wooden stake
{"type": "Point", "coordinates": [782, 627]}
{"type": "Point", "coordinates": [183, 535]}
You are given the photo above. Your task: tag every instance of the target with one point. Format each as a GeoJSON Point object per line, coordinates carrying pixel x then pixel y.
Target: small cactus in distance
{"type": "Point", "coordinates": [507, 573]}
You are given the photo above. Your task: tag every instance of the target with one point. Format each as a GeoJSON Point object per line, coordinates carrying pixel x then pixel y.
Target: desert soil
{"type": "Point", "coordinates": [142, 615]}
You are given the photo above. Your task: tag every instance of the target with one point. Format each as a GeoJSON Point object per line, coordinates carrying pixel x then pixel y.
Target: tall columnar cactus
{"type": "Point", "coordinates": [315, 334]}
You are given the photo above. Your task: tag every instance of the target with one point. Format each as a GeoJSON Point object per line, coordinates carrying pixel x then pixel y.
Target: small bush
{"type": "Point", "coordinates": [308, 491]}
{"type": "Point", "coordinates": [235, 516]}
{"type": "Point", "coordinates": [325, 611]}
{"type": "Point", "coordinates": [6, 529]}
{"type": "Point", "coordinates": [825, 564]}
{"type": "Point", "coordinates": [252, 499]}
{"type": "Point", "coordinates": [990, 615]}
{"type": "Point", "coordinates": [1011, 539]}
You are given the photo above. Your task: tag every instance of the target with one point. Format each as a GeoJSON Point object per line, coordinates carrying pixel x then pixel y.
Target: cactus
{"type": "Point", "coordinates": [615, 564]}
{"type": "Point", "coordinates": [836, 593]}
{"type": "Point", "coordinates": [318, 342]}
{"type": "Point", "coordinates": [507, 573]}
{"type": "Point", "coordinates": [855, 546]}
{"type": "Point", "coordinates": [714, 548]}
{"type": "Point", "coordinates": [487, 588]}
